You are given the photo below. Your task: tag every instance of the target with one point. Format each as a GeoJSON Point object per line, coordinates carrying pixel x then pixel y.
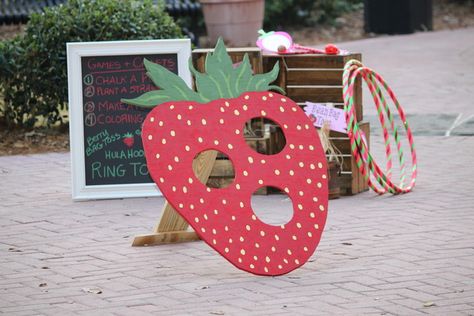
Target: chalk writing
{"type": "Point", "coordinates": [113, 150]}
{"type": "Point", "coordinates": [100, 170]}
{"type": "Point", "coordinates": [99, 141]}
{"type": "Point", "coordinates": [124, 154]}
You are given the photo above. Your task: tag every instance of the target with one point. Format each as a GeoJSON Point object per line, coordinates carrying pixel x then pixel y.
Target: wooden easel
{"type": "Point", "coordinates": [172, 228]}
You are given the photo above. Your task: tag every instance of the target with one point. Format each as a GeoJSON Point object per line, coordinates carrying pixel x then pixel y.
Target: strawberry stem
{"type": "Point", "coordinates": [219, 81]}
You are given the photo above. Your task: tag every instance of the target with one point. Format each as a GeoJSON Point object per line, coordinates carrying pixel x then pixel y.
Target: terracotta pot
{"type": "Point", "coordinates": [237, 21]}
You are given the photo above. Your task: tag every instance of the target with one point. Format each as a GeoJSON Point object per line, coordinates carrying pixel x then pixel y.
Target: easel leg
{"type": "Point", "coordinates": [172, 228]}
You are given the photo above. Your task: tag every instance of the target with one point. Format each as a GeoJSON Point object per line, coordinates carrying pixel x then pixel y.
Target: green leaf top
{"type": "Point", "coordinates": [172, 88]}
{"type": "Point", "coordinates": [219, 81]}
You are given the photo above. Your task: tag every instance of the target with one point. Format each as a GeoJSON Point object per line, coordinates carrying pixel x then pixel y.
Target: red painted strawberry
{"type": "Point", "coordinates": [186, 123]}
{"type": "Point", "coordinates": [128, 139]}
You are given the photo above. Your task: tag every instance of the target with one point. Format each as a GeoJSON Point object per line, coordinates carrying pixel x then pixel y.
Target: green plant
{"type": "Point", "coordinates": [284, 13]}
{"type": "Point", "coordinates": [33, 74]}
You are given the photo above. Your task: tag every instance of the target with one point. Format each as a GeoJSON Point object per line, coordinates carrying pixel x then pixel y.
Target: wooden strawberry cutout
{"type": "Point", "coordinates": [187, 123]}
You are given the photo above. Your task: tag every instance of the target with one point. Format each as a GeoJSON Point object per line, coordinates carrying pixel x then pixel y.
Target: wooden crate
{"type": "Point", "coordinates": [351, 180]}
{"type": "Point", "coordinates": [318, 79]}
{"type": "Point", "coordinates": [314, 78]}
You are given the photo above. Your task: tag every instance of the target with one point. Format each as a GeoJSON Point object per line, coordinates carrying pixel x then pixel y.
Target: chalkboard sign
{"type": "Point", "coordinates": [113, 147]}
{"type": "Point", "coordinates": [107, 153]}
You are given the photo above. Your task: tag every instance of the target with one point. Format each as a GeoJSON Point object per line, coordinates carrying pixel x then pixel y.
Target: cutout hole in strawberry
{"type": "Point", "coordinates": [275, 211]}
{"type": "Point", "coordinates": [258, 132]}
{"type": "Point", "coordinates": [222, 174]}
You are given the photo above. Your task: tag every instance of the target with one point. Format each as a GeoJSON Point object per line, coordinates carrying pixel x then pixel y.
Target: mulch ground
{"type": "Point", "coordinates": [22, 142]}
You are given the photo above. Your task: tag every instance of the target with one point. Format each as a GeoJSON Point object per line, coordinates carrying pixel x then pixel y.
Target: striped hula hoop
{"type": "Point", "coordinates": [382, 181]}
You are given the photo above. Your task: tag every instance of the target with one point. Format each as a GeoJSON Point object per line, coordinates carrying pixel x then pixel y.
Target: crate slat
{"type": "Point", "coordinates": [352, 180]}
{"type": "Point", "coordinates": [312, 60]}
{"type": "Point", "coordinates": [314, 77]}
{"type": "Point", "coordinates": [363, 186]}
{"type": "Point", "coordinates": [316, 94]}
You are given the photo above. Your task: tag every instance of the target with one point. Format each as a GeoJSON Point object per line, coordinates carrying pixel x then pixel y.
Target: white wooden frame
{"type": "Point", "coordinates": [75, 51]}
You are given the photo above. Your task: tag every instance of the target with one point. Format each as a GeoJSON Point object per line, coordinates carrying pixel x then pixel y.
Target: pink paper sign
{"type": "Point", "coordinates": [320, 113]}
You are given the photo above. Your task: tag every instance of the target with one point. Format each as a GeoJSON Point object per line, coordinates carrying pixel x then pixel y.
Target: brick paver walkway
{"type": "Point", "coordinates": [405, 255]}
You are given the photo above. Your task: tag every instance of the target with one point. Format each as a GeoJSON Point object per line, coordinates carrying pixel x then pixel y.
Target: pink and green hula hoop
{"type": "Point", "coordinates": [377, 179]}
